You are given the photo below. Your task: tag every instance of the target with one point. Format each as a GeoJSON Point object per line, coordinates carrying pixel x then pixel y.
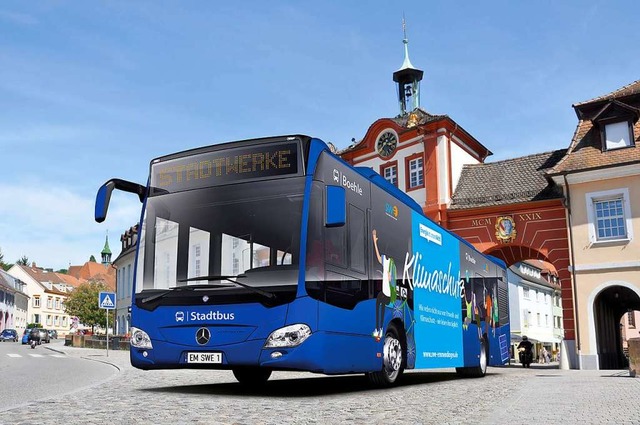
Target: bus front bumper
{"type": "Point", "coordinates": [322, 352]}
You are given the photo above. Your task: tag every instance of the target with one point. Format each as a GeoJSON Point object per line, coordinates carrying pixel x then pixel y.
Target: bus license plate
{"type": "Point", "coordinates": [204, 358]}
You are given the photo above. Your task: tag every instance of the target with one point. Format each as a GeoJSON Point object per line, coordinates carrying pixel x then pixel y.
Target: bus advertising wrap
{"type": "Point", "coordinates": [435, 269]}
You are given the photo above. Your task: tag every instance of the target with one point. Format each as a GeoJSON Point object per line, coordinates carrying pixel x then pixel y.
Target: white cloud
{"type": "Point", "coordinates": [54, 226]}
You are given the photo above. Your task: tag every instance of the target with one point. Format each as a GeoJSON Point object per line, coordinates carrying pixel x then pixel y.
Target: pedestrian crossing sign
{"type": "Point", "coordinates": [107, 300]}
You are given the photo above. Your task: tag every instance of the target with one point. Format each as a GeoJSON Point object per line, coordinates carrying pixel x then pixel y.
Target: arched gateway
{"type": "Point", "coordinates": [511, 210]}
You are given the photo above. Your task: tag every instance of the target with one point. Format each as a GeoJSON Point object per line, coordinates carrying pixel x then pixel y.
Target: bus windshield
{"type": "Point", "coordinates": [246, 233]}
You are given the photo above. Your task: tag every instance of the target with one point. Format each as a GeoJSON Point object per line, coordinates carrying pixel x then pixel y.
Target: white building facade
{"type": "Point", "coordinates": [125, 264]}
{"type": "Point", "coordinates": [535, 308]}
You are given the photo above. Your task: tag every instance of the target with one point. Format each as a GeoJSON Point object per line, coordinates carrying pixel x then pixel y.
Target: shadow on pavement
{"type": "Point", "coordinates": [307, 387]}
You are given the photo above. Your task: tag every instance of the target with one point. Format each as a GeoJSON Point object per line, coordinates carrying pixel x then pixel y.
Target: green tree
{"type": "Point", "coordinates": [83, 303]}
{"type": "Point", "coordinates": [4, 266]}
{"type": "Point", "coordinates": [24, 261]}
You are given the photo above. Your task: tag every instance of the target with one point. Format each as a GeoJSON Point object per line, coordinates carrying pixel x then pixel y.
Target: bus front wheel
{"type": "Point", "coordinates": [393, 360]}
{"type": "Point", "coordinates": [252, 376]}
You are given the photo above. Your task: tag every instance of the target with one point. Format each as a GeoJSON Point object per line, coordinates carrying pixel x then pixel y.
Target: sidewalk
{"type": "Point", "coordinates": [117, 358]}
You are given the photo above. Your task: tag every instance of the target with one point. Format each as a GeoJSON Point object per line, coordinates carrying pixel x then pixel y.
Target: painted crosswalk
{"type": "Point", "coordinates": [36, 355]}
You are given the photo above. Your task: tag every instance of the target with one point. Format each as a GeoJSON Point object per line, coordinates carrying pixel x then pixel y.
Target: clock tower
{"type": "Point", "coordinates": [408, 79]}
{"type": "Point", "coordinates": [419, 152]}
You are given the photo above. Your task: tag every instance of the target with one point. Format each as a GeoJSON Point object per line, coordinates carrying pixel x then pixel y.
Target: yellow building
{"type": "Point", "coordinates": [600, 176]}
{"type": "Point", "coordinates": [47, 292]}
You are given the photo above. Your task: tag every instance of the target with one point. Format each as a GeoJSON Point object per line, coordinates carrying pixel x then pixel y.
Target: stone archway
{"type": "Point", "coordinates": [537, 230]}
{"type": "Point", "coordinates": [607, 304]}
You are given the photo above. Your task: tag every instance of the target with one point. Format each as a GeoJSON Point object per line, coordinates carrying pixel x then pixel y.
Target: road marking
{"type": "Point", "coordinates": [58, 356]}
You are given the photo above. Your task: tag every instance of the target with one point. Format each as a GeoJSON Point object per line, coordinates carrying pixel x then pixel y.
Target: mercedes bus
{"type": "Point", "coordinates": [275, 254]}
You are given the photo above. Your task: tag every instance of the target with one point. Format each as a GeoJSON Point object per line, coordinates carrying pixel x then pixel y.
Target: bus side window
{"type": "Point", "coordinates": [334, 246]}
{"type": "Point", "coordinates": [356, 239]}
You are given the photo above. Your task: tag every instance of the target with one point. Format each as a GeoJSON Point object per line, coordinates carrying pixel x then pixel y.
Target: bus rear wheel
{"type": "Point", "coordinates": [480, 370]}
{"type": "Point", "coordinates": [393, 360]}
{"type": "Point", "coordinates": [252, 376]}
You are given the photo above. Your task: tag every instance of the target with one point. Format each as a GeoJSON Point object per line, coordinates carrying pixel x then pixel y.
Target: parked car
{"type": "Point", "coordinates": [53, 334]}
{"type": "Point", "coordinates": [25, 336]}
{"type": "Point", "coordinates": [40, 335]}
{"type": "Point", "coordinates": [9, 335]}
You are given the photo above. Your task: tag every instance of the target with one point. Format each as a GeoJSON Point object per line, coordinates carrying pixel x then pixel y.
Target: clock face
{"type": "Point", "coordinates": [387, 143]}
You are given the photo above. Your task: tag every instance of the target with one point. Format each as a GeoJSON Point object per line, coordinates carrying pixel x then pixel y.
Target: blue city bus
{"type": "Point", "coordinates": [275, 254]}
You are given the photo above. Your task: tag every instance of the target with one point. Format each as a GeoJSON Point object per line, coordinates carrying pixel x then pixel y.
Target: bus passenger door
{"type": "Point", "coordinates": [346, 285]}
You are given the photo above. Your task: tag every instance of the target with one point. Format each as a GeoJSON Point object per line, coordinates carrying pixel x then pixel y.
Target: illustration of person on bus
{"type": "Point", "coordinates": [387, 296]}
{"type": "Point", "coordinates": [488, 308]}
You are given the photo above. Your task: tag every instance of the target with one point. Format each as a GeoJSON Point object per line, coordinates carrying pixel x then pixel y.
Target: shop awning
{"type": "Point", "coordinates": [515, 338]}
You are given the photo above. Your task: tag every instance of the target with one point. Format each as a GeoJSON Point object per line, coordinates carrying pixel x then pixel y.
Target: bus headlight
{"type": "Point", "coordinates": [140, 339]}
{"type": "Point", "coordinates": [289, 336]}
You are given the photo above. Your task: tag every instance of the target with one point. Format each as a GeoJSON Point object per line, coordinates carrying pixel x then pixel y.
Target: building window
{"type": "Point", "coordinates": [415, 176]}
{"type": "Point", "coordinates": [64, 321]}
{"type": "Point", "coordinates": [631, 318]}
{"type": "Point", "coordinates": [36, 318]}
{"type": "Point", "coordinates": [49, 302]}
{"type": "Point", "coordinates": [36, 301]}
{"type": "Point", "coordinates": [57, 303]}
{"type": "Point", "coordinates": [618, 135]}
{"type": "Point", "coordinates": [235, 265]}
{"type": "Point", "coordinates": [49, 320]}
{"type": "Point", "coordinates": [390, 172]}
{"type": "Point", "coordinates": [610, 219]}
{"type": "Point", "coordinates": [609, 216]}
{"type": "Point", "coordinates": [538, 318]}
{"type": "Point", "coordinates": [129, 282]}
{"type": "Point", "coordinates": [525, 293]}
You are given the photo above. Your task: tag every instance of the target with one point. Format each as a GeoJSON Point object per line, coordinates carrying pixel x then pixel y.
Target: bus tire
{"type": "Point", "coordinates": [252, 376]}
{"type": "Point", "coordinates": [394, 353]}
{"type": "Point", "coordinates": [480, 370]}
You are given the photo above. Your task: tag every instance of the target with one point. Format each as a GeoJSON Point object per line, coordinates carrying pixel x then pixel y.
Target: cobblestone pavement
{"type": "Point", "coordinates": [509, 395]}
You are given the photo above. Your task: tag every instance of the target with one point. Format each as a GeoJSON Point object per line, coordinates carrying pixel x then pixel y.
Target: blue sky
{"type": "Point", "coordinates": [94, 90]}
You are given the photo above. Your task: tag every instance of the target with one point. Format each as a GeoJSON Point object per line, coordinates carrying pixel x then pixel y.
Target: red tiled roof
{"type": "Point", "coordinates": [628, 90]}
{"type": "Point", "coordinates": [586, 149]}
{"type": "Point", "coordinates": [70, 280]}
{"type": "Point", "coordinates": [94, 271]}
{"type": "Point", "coordinates": [42, 275]}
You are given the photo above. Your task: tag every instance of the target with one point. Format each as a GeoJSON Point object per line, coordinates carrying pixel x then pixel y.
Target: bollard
{"type": "Point", "coordinates": [634, 357]}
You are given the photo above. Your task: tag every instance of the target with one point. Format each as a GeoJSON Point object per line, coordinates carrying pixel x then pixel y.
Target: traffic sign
{"type": "Point", "coordinates": [107, 300]}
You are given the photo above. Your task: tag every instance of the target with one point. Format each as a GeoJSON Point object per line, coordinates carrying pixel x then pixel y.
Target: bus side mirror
{"type": "Point", "coordinates": [336, 212]}
{"type": "Point", "coordinates": [104, 195]}
{"type": "Point", "coordinates": [102, 200]}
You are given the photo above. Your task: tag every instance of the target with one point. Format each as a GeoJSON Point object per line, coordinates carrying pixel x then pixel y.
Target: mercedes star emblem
{"type": "Point", "coordinates": [203, 336]}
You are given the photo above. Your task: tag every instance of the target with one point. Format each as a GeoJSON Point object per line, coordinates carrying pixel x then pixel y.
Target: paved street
{"type": "Point", "coordinates": [510, 395]}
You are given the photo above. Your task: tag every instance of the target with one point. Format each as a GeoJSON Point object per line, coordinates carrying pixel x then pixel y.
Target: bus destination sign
{"type": "Point", "coordinates": [226, 166]}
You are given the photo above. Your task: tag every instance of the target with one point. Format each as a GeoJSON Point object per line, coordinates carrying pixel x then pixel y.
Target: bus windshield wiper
{"type": "Point", "coordinates": [232, 280]}
{"type": "Point", "coordinates": [182, 289]}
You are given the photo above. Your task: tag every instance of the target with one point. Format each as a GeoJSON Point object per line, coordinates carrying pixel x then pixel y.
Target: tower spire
{"type": "Point", "coordinates": [408, 78]}
{"type": "Point", "coordinates": [106, 252]}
